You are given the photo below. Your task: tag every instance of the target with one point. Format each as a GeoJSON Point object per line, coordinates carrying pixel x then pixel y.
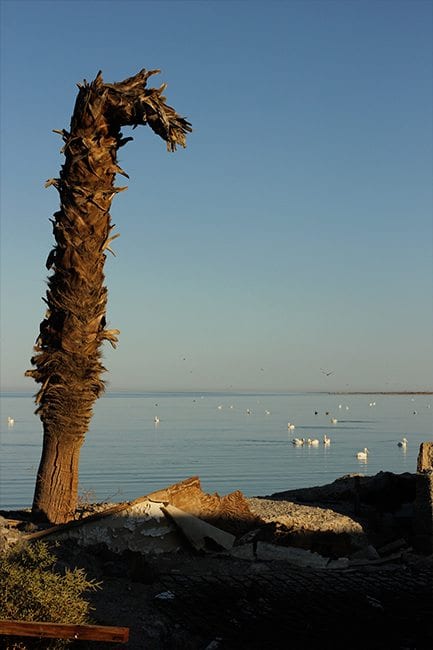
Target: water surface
{"type": "Point", "coordinates": [231, 441]}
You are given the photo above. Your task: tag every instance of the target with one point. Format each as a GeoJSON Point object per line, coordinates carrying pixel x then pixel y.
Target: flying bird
{"type": "Point", "coordinates": [327, 372]}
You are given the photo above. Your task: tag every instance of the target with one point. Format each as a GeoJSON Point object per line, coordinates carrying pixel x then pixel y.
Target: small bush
{"type": "Point", "coordinates": [31, 590]}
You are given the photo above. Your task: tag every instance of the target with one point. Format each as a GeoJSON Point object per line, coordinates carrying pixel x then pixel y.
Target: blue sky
{"type": "Point", "coordinates": [294, 233]}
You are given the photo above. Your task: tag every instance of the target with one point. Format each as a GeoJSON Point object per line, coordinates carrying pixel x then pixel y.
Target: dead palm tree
{"type": "Point", "coordinates": [67, 362]}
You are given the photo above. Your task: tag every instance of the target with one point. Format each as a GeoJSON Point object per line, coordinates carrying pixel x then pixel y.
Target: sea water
{"type": "Point", "coordinates": [138, 443]}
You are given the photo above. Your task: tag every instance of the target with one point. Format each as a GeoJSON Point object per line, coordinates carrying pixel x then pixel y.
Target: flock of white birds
{"type": "Point", "coordinates": [297, 442]}
{"type": "Point", "coordinates": [315, 442]}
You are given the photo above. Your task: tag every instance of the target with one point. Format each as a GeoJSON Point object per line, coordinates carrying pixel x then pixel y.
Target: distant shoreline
{"type": "Point", "coordinates": [382, 392]}
{"type": "Point", "coordinates": [120, 393]}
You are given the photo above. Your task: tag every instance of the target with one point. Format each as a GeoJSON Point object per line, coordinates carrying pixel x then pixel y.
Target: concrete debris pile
{"type": "Point", "coordinates": [325, 530]}
{"type": "Point", "coordinates": [179, 518]}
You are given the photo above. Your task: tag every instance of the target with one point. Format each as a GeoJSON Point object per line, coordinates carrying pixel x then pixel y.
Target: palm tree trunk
{"type": "Point", "coordinates": [68, 360]}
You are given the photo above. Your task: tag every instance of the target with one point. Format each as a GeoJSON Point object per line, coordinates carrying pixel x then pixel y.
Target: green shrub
{"type": "Point", "coordinates": [31, 590]}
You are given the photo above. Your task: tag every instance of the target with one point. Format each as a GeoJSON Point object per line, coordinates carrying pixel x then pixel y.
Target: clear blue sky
{"type": "Point", "coordinates": [295, 231]}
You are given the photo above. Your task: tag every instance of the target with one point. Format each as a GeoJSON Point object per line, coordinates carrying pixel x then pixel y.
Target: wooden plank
{"type": "Point", "coordinates": [65, 631]}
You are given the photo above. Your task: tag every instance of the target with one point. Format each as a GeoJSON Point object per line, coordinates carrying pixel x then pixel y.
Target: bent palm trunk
{"type": "Point", "coordinates": [67, 360]}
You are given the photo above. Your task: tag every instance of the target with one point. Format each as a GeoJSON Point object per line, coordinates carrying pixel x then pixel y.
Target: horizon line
{"type": "Point", "coordinates": [335, 391]}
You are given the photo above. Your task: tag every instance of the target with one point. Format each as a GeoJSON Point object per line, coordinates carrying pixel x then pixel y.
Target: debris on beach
{"type": "Point", "coordinates": [179, 517]}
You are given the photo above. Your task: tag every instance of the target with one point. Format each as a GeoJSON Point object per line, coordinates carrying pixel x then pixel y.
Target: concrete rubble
{"type": "Point", "coordinates": [184, 519]}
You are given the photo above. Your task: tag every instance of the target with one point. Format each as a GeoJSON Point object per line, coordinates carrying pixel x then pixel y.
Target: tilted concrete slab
{"type": "Point", "coordinates": [201, 535]}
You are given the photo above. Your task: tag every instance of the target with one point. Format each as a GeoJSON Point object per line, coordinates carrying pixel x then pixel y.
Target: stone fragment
{"type": "Point", "coordinates": [297, 556]}
{"type": "Point", "coordinates": [8, 538]}
{"type": "Point", "coordinates": [165, 595]}
{"type": "Point", "coordinates": [391, 547]}
{"type": "Point", "coordinates": [367, 553]}
{"type": "Point", "coordinates": [244, 552]}
{"type": "Point", "coordinates": [339, 563]}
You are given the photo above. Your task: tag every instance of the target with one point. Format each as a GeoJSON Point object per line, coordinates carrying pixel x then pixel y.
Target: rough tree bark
{"type": "Point", "coordinates": [67, 362]}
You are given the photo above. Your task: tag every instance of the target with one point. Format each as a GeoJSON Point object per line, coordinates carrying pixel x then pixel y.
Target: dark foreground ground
{"type": "Point", "coordinates": [196, 601]}
{"type": "Point", "coordinates": [199, 603]}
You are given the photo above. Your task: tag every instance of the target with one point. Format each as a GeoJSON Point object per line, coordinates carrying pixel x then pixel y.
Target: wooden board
{"type": "Point", "coordinates": [65, 631]}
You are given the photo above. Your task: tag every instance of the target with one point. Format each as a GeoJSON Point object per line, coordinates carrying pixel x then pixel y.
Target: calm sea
{"type": "Point", "coordinates": [231, 441]}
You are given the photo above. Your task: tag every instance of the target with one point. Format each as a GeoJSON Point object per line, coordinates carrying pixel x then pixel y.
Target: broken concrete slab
{"type": "Point", "coordinates": [380, 560]}
{"type": "Point", "coordinates": [391, 547]}
{"type": "Point", "coordinates": [298, 556]}
{"type": "Point", "coordinates": [321, 530]}
{"type": "Point", "coordinates": [147, 525]}
{"type": "Point", "coordinates": [230, 512]}
{"type": "Point", "coordinates": [142, 527]}
{"type": "Point", "coordinates": [339, 563]}
{"type": "Point", "coordinates": [243, 552]}
{"type": "Point", "coordinates": [200, 534]}
{"type": "Point", "coordinates": [367, 553]}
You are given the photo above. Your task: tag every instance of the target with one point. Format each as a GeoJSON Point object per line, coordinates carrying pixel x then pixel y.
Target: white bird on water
{"type": "Point", "coordinates": [334, 420]}
{"type": "Point", "coordinates": [326, 440]}
{"type": "Point", "coordinates": [362, 455]}
{"type": "Point", "coordinates": [313, 442]}
{"type": "Point", "coordinates": [156, 419]}
{"type": "Point", "coordinates": [11, 421]}
{"type": "Point", "coordinates": [290, 426]}
{"type": "Point", "coordinates": [298, 442]}
{"type": "Point", "coordinates": [403, 443]}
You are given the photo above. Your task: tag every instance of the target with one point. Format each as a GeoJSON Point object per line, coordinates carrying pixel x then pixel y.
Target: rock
{"type": "Point", "coordinates": [339, 563]}
{"type": "Point", "coordinates": [8, 538]}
